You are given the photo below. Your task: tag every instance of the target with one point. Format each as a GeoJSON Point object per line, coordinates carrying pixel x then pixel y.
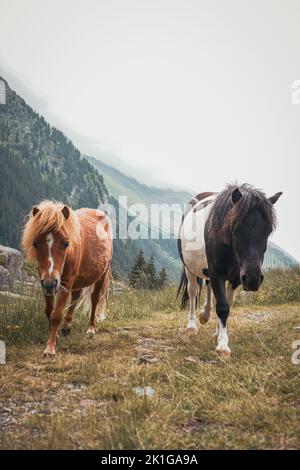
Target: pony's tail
{"type": "Point", "coordinates": [182, 290]}
{"type": "Point", "coordinates": [85, 301]}
{"type": "Point", "coordinates": [84, 304]}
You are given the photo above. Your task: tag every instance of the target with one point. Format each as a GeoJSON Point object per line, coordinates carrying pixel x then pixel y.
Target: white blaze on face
{"type": "Point", "coordinates": [49, 241]}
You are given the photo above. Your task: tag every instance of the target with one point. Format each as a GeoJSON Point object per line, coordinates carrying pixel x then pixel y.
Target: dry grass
{"type": "Point", "coordinates": [84, 398]}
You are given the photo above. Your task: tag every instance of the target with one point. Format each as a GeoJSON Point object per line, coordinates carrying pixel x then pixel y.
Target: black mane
{"type": "Point", "coordinates": [226, 216]}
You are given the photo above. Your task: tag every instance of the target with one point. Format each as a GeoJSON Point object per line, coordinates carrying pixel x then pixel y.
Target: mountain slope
{"type": "Point", "coordinates": [120, 184]}
{"type": "Point", "coordinates": [37, 162]}
{"type": "Point", "coordinates": [136, 192]}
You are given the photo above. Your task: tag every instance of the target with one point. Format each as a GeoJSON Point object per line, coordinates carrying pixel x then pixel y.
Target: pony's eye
{"type": "Point", "coordinates": [65, 244]}
{"type": "Point", "coordinates": [34, 244]}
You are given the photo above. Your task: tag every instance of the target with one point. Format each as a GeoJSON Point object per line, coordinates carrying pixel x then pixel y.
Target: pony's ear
{"type": "Point", "coordinates": [35, 210]}
{"type": "Point", "coordinates": [66, 211]}
{"type": "Point", "coordinates": [236, 195]}
{"type": "Point", "coordinates": [274, 199]}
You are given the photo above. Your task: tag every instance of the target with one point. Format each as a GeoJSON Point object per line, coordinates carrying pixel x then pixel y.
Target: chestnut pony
{"type": "Point", "coordinates": [73, 251]}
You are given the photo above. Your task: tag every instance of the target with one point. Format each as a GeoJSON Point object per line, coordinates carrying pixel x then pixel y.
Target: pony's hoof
{"type": "Point", "coordinates": [192, 327]}
{"type": "Point", "coordinates": [223, 351]}
{"type": "Point", "coordinates": [65, 331]}
{"type": "Point", "coordinates": [90, 331]}
{"type": "Point", "coordinates": [204, 315]}
{"type": "Point", "coordinates": [49, 351]}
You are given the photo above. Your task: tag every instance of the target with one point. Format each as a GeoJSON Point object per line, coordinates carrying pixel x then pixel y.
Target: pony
{"type": "Point", "coordinates": [73, 252]}
{"type": "Point", "coordinates": [222, 241]}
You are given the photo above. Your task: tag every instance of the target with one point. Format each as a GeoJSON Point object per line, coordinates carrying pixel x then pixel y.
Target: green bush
{"type": "Point", "coordinates": [280, 286]}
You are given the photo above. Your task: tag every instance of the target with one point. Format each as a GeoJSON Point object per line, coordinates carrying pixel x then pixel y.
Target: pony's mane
{"type": "Point", "coordinates": [226, 216]}
{"type": "Point", "coordinates": [50, 218]}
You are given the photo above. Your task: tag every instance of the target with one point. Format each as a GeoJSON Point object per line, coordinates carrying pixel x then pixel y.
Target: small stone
{"type": "Point", "coordinates": [86, 403]}
{"type": "Point", "coordinates": [144, 391]}
{"type": "Point", "coordinates": [193, 359]}
{"type": "Point", "coordinates": [147, 359]}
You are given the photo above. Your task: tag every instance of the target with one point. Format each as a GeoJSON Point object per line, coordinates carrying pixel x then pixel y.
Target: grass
{"type": "Point", "coordinates": [84, 398]}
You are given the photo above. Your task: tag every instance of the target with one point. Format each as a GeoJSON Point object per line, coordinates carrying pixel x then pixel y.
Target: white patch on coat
{"type": "Point", "coordinates": [192, 288]}
{"type": "Point", "coordinates": [192, 237]}
{"type": "Point", "coordinates": [49, 241]}
{"type": "Point", "coordinates": [222, 338]}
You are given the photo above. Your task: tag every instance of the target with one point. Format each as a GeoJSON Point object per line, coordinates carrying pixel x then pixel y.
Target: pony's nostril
{"type": "Point", "coordinates": [244, 279]}
{"type": "Point", "coordinates": [55, 283]}
{"type": "Point", "coordinates": [262, 279]}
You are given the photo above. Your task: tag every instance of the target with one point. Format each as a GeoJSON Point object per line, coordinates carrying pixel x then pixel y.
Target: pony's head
{"type": "Point", "coordinates": [51, 233]}
{"type": "Point", "coordinates": [247, 224]}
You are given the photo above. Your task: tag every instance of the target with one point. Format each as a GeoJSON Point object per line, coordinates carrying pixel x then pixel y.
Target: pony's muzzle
{"type": "Point", "coordinates": [49, 286]}
{"type": "Point", "coordinates": [252, 282]}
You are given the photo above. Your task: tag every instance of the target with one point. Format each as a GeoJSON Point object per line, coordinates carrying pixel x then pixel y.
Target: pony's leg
{"type": "Point", "coordinates": [100, 309]}
{"type": "Point", "coordinates": [55, 319]}
{"type": "Point", "coordinates": [222, 308]}
{"type": "Point", "coordinates": [66, 327]}
{"type": "Point", "coordinates": [49, 304]}
{"type": "Point", "coordinates": [230, 294]}
{"type": "Point", "coordinates": [192, 289]}
{"type": "Point", "coordinates": [205, 312]}
{"type": "Point", "coordinates": [95, 299]}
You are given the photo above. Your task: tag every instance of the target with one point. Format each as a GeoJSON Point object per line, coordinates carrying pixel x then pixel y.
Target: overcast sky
{"type": "Point", "coordinates": [179, 93]}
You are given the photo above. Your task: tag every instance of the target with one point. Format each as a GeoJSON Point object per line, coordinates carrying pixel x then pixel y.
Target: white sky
{"type": "Point", "coordinates": [179, 93]}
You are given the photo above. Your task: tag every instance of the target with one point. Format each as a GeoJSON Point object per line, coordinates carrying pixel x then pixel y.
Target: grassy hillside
{"type": "Point", "coordinates": [199, 401]}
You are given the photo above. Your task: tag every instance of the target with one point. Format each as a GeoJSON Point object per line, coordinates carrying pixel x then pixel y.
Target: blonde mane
{"type": "Point", "coordinates": [49, 217]}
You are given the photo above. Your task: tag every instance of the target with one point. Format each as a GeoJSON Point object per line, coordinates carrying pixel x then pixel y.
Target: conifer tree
{"type": "Point", "coordinates": [150, 271]}
{"type": "Point", "coordinates": [162, 278]}
{"type": "Point", "coordinates": [137, 277]}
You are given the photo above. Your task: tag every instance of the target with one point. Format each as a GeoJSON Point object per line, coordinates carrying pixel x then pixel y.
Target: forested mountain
{"type": "Point", "coordinates": [37, 162]}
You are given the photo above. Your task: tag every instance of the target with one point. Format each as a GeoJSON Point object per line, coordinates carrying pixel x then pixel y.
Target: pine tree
{"type": "Point", "coordinates": [137, 277]}
{"type": "Point", "coordinates": [150, 271]}
{"type": "Point", "coordinates": [162, 278]}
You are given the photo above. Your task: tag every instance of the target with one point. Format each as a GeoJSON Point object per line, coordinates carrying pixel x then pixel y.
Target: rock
{"type": "Point", "coordinates": [75, 387]}
{"type": "Point", "coordinates": [147, 359]}
{"type": "Point", "coordinates": [4, 278]}
{"type": "Point", "coordinates": [193, 425]}
{"type": "Point", "coordinates": [144, 391]}
{"type": "Point", "coordinates": [117, 287]}
{"type": "Point", "coordinates": [12, 261]}
{"type": "Point", "coordinates": [198, 360]}
{"type": "Point", "coordinates": [86, 403]}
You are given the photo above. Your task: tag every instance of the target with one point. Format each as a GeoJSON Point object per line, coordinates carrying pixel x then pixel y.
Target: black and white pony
{"type": "Point", "coordinates": [223, 237]}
